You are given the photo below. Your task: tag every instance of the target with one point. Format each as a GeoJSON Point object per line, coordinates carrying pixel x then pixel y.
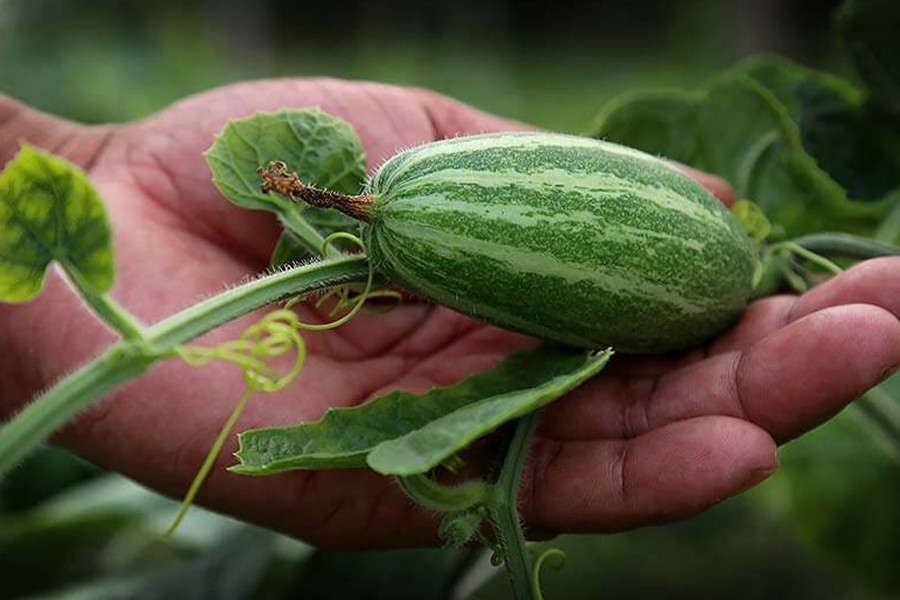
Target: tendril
{"type": "Point", "coordinates": [276, 335]}
{"type": "Point", "coordinates": [557, 560]}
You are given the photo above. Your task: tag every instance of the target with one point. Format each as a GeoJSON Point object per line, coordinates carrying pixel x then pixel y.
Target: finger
{"type": "Point", "coordinates": [19, 123]}
{"type": "Point", "coordinates": [716, 186]}
{"type": "Point", "coordinates": [875, 282]}
{"type": "Point", "coordinates": [663, 475]}
{"type": "Point", "coordinates": [787, 383]}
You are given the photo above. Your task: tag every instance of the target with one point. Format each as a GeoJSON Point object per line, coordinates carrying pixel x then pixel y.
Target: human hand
{"type": "Point", "coordinates": [651, 439]}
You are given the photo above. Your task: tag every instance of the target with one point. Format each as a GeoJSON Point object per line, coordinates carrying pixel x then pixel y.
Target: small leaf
{"type": "Point", "coordinates": [752, 220]}
{"type": "Point", "coordinates": [426, 447]}
{"type": "Point", "coordinates": [659, 122]}
{"type": "Point", "coordinates": [324, 150]}
{"type": "Point", "coordinates": [49, 211]}
{"type": "Point", "coordinates": [344, 436]}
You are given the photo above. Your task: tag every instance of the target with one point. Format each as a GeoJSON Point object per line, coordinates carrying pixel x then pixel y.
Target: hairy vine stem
{"type": "Point", "coordinates": [504, 515]}
{"type": "Point", "coordinates": [138, 351]}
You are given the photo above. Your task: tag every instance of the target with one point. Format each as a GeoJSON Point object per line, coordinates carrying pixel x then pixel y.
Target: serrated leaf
{"type": "Point", "coordinates": [661, 122]}
{"type": "Point", "coordinates": [324, 151]}
{"type": "Point", "coordinates": [345, 436]}
{"type": "Point", "coordinates": [49, 211]}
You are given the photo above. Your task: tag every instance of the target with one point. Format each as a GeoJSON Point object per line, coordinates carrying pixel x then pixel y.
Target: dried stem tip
{"type": "Point", "coordinates": [277, 178]}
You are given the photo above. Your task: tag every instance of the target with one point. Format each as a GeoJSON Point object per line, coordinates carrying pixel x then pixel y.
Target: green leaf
{"type": "Point", "coordinates": [849, 139]}
{"type": "Point", "coordinates": [324, 150]}
{"type": "Point", "coordinates": [345, 436]}
{"type": "Point", "coordinates": [427, 447]}
{"type": "Point", "coordinates": [869, 29]}
{"type": "Point", "coordinates": [49, 211]}
{"type": "Point", "coordinates": [748, 137]}
{"type": "Point", "coordinates": [660, 122]}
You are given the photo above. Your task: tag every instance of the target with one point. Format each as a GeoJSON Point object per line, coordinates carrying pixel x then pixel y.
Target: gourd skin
{"type": "Point", "coordinates": [568, 239]}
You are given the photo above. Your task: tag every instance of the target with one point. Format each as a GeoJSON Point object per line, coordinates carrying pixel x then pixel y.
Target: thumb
{"type": "Point", "coordinates": [19, 123]}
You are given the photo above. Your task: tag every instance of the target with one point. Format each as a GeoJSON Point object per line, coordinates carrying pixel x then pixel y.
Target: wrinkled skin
{"type": "Point", "coordinates": [652, 439]}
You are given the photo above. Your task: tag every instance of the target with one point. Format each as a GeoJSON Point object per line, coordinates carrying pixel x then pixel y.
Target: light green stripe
{"type": "Point", "coordinates": [513, 141]}
{"type": "Point", "coordinates": [486, 311]}
{"type": "Point", "coordinates": [525, 216]}
{"type": "Point", "coordinates": [596, 185]}
{"type": "Point", "coordinates": [521, 260]}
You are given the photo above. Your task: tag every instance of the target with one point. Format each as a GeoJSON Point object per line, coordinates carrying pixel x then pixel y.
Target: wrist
{"type": "Point", "coordinates": [19, 123]}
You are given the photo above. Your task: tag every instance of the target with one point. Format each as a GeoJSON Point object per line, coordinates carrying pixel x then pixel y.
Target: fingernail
{"type": "Point", "coordinates": [757, 476]}
{"type": "Point", "coordinates": [889, 372]}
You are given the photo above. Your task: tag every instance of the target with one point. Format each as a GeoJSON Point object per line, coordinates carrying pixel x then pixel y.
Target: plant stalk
{"type": "Point", "coordinates": [28, 429]}
{"type": "Point", "coordinates": [845, 245]}
{"type": "Point", "coordinates": [209, 314]}
{"type": "Point", "coordinates": [504, 515]}
{"type": "Point", "coordinates": [130, 358]}
{"type": "Point", "coordinates": [277, 178]}
{"type": "Point", "coordinates": [106, 308]}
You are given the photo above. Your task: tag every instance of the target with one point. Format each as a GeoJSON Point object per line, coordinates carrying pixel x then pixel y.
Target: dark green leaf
{"type": "Point", "coordinates": [869, 29]}
{"type": "Point", "coordinates": [49, 211]}
{"type": "Point", "coordinates": [845, 135]}
{"type": "Point", "coordinates": [345, 436]}
{"type": "Point", "coordinates": [748, 137]}
{"type": "Point", "coordinates": [324, 150]}
{"type": "Point", "coordinates": [659, 122]}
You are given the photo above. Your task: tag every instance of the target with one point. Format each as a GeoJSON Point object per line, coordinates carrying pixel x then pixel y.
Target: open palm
{"type": "Point", "coordinates": [651, 439]}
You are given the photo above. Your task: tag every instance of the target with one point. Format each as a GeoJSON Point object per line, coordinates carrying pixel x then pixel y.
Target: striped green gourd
{"type": "Point", "coordinates": [565, 238]}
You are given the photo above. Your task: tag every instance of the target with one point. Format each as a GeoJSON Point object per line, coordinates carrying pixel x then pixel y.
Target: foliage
{"type": "Point", "coordinates": [405, 434]}
{"type": "Point", "coordinates": [324, 149]}
{"type": "Point", "coordinates": [50, 213]}
{"type": "Point", "coordinates": [815, 151]}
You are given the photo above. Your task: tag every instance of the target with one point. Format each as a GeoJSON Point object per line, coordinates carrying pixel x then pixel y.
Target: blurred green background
{"type": "Point", "coordinates": [69, 530]}
{"type": "Point", "coordinates": [551, 64]}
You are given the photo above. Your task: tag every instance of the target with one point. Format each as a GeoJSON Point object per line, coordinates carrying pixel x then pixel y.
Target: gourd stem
{"type": "Point", "coordinates": [503, 514]}
{"type": "Point", "coordinates": [445, 498]}
{"type": "Point", "coordinates": [277, 178]}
